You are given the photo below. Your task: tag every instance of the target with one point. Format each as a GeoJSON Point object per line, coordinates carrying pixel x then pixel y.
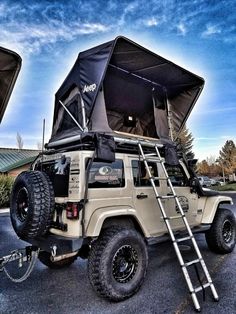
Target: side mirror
{"type": "Point", "coordinates": [194, 185]}
{"type": "Point", "coordinates": [194, 182]}
{"type": "Point", "coordinates": [192, 162]}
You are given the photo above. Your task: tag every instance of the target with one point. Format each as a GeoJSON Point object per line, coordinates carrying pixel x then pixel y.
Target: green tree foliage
{"type": "Point", "coordinates": [5, 190]}
{"type": "Point", "coordinates": [228, 157]}
{"type": "Point", "coordinates": [185, 142]}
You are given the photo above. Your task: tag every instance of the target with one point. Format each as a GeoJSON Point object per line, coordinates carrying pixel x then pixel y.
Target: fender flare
{"type": "Point", "coordinates": [212, 205]}
{"type": "Point", "coordinates": [97, 219]}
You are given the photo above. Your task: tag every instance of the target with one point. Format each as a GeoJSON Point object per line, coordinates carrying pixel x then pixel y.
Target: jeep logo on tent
{"type": "Point", "coordinates": [89, 88]}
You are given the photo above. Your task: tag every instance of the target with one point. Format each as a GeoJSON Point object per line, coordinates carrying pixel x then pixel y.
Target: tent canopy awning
{"type": "Point", "coordinates": [10, 64]}
{"type": "Point", "coordinates": [125, 87]}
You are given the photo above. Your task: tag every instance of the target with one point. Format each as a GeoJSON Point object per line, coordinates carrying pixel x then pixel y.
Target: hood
{"type": "Point", "coordinates": [10, 64]}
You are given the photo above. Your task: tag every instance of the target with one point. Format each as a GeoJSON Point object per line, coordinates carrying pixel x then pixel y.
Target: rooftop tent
{"type": "Point", "coordinates": [124, 87]}
{"type": "Point", "coordinates": [10, 64]}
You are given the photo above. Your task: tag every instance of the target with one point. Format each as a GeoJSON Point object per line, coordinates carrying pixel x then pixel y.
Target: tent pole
{"type": "Point", "coordinates": [169, 119]}
{"type": "Point", "coordinates": [72, 117]}
{"type": "Point", "coordinates": [85, 129]}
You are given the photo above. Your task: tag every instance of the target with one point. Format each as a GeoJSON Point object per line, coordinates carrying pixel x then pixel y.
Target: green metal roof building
{"type": "Point", "coordinates": [12, 158]}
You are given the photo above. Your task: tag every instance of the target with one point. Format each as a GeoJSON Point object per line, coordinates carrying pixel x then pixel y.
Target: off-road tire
{"type": "Point", "coordinates": [45, 258]}
{"type": "Point", "coordinates": [105, 257]}
{"type": "Point", "coordinates": [32, 204]}
{"type": "Point", "coordinates": [221, 237]}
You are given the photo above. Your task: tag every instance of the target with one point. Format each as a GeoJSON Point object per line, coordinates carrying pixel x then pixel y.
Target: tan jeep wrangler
{"type": "Point", "coordinates": [89, 193]}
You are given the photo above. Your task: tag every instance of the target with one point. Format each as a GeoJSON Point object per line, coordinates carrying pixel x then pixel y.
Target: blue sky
{"type": "Point", "coordinates": [198, 35]}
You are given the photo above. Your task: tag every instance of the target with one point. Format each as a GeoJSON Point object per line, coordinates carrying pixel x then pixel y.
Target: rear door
{"type": "Point", "coordinates": [144, 197]}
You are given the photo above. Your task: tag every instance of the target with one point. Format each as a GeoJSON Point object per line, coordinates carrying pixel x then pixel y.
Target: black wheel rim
{"type": "Point", "coordinates": [124, 264]}
{"type": "Point", "coordinates": [22, 203]}
{"type": "Point", "coordinates": [227, 231]}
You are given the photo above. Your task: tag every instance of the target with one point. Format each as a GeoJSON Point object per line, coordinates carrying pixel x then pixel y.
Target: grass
{"type": "Point", "coordinates": [227, 187]}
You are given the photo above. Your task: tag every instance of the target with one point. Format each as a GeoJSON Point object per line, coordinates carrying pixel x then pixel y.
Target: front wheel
{"type": "Point", "coordinates": [221, 237]}
{"type": "Point", "coordinates": [117, 263]}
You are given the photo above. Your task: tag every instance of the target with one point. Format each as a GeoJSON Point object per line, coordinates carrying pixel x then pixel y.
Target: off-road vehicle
{"type": "Point", "coordinates": [97, 189]}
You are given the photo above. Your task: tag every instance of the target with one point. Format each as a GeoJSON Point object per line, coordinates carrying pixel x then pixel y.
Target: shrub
{"type": "Point", "coordinates": [5, 190]}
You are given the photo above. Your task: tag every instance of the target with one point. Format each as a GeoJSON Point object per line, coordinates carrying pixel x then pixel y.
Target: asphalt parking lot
{"type": "Point", "coordinates": [68, 290]}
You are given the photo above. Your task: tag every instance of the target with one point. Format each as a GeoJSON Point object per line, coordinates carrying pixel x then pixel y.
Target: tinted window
{"type": "Point", "coordinates": [140, 175]}
{"type": "Point", "coordinates": [177, 175]}
{"type": "Point", "coordinates": [106, 175]}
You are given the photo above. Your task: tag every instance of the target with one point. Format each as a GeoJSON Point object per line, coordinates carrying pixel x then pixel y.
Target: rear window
{"type": "Point", "coordinates": [107, 175]}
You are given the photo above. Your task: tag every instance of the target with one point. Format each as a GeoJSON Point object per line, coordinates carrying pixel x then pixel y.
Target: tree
{"type": "Point", "coordinates": [19, 141]}
{"type": "Point", "coordinates": [209, 168]}
{"type": "Point", "coordinates": [203, 168]}
{"type": "Point", "coordinates": [227, 157]}
{"type": "Point", "coordinates": [184, 142]}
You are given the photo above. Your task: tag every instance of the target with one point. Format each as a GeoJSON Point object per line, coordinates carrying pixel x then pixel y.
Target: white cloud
{"type": "Point", "coordinates": [31, 38]}
{"type": "Point", "coordinates": [2, 9]}
{"type": "Point", "coordinates": [181, 29]}
{"type": "Point", "coordinates": [91, 28]}
{"type": "Point", "coordinates": [207, 138]}
{"type": "Point", "coordinates": [211, 30]}
{"type": "Point", "coordinates": [151, 22]}
{"type": "Point", "coordinates": [214, 110]}
{"type": "Point", "coordinates": [128, 9]}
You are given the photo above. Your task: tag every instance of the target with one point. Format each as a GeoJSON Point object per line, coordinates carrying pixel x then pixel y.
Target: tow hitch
{"type": "Point", "coordinates": [28, 254]}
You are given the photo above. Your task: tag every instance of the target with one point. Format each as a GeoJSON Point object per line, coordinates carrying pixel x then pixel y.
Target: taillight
{"type": "Point", "coordinates": [72, 211]}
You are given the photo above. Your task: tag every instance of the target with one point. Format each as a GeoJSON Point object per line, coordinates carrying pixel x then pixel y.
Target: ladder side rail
{"type": "Point", "coordinates": [201, 260]}
{"type": "Point", "coordinates": [167, 223]}
{"type": "Point", "coordinates": [185, 221]}
{"type": "Point", "coordinates": [156, 194]}
{"type": "Point", "coordinates": [178, 204]}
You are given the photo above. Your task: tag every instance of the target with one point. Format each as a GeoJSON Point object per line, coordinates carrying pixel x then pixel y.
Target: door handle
{"type": "Point", "coordinates": [141, 196]}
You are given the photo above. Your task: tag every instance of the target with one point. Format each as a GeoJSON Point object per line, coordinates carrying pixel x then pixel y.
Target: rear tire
{"type": "Point", "coordinates": [221, 237]}
{"type": "Point", "coordinates": [117, 263]}
{"type": "Point", "coordinates": [32, 204]}
{"type": "Point", "coordinates": [45, 258]}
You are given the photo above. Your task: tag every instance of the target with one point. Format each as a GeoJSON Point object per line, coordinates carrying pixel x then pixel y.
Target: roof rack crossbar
{"type": "Point", "coordinates": [121, 140]}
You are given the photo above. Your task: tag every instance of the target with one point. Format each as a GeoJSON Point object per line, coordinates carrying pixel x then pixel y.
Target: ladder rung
{"type": "Point", "coordinates": [201, 287]}
{"type": "Point", "coordinates": [166, 196]}
{"type": "Point", "coordinates": [151, 154]}
{"type": "Point", "coordinates": [175, 217]}
{"type": "Point", "coordinates": [159, 178]}
{"type": "Point", "coordinates": [156, 159]}
{"type": "Point", "coordinates": [184, 239]}
{"type": "Point", "coordinates": [180, 214]}
{"type": "Point", "coordinates": [172, 217]}
{"type": "Point", "coordinates": [192, 262]}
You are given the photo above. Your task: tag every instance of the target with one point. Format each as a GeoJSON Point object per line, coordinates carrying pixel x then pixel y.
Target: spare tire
{"type": "Point", "coordinates": [32, 204]}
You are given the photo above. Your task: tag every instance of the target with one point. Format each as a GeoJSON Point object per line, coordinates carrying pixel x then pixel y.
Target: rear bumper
{"type": "Point", "coordinates": [60, 245]}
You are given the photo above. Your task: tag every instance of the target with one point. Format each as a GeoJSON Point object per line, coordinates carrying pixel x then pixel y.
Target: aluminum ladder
{"type": "Point", "coordinates": [184, 265]}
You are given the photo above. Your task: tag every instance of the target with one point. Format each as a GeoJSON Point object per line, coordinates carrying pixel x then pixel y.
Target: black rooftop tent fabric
{"type": "Point", "coordinates": [10, 64]}
{"type": "Point", "coordinates": [127, 88]}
